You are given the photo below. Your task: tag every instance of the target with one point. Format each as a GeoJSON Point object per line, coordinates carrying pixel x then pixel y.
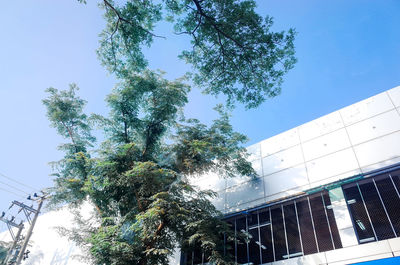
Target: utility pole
{"type": "Point", "coordinates": [16, 238]}
{"type": "Point", "coordinates": [27, 209]}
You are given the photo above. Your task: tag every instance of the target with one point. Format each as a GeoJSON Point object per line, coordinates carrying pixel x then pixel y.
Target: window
{"type": "Point", "coordinates": [373, 204]}
{"type": "Point", "coordinates": [294, 228]}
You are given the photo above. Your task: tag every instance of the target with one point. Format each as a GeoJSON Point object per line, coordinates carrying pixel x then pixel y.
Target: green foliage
{"type": "Point", "coordinates": [200, 149]}
{"type": "Point", "coordinates": [137, 178]}
{"type": "Point", "coordinates": [64, 111]}
{"type": "Point", "coordinates": [65, 114]}
{"type": "Point", "coordinates": [4, 247]}
{"type": "Point", "coordinates": [234, 51]}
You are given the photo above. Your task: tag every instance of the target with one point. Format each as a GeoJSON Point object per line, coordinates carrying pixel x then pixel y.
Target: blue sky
{"type": "Point", "coordinates": [347, 51]}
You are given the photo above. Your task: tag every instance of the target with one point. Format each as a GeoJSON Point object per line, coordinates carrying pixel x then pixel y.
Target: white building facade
{"type": "Point", "coordinates": [328, 191]}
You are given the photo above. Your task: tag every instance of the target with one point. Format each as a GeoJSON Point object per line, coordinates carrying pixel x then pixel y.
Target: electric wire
{"type": "Point", "coordinates": [20, 183]}
{"type": "Point", "coordinates": [16, 194]}
{"type": "Point", "coordinates": [13, 187]}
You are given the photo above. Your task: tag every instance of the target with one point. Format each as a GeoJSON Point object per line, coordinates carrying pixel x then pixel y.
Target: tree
{"type": "Point", "coordinates": [137, 178]}
{"type": "Point", "coordinates": [138, 181]}
{"type": "Point", "coordinates": [4, 248]}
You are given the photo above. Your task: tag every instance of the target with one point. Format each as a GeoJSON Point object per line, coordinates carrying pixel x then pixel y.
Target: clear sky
{"type": "Point", "coordinates": [348, 50]}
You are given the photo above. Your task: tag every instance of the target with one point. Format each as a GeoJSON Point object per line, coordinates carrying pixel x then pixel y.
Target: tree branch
{"type": "Point", "coordinates": [121, 18]}
{"type": "Point", "coordinates": [214, 24]}
{"type": "Point", "coordinates": [70, 135]}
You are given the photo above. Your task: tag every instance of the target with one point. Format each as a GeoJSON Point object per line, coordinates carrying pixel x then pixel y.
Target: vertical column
{"type": "Point", "coordinates": [342, 217]}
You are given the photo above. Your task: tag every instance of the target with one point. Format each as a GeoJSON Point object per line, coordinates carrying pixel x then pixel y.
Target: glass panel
{"type": "Point", "coordinates": [252, 219]}
{"type": "Point", "coordinates": [206, 257]}
{"type": "Point", "coordinates": [375, 209]}
{"type": "Point", "coordinates": [396, 179]}
{"type": "Point", "coordinates": [254, 246]}
{"type": "Point", "coordinates": [279, 234]}
{"type": "Point", "coordinates": [359, 215]}
{"type": "Point", "coordinates": [326, 144]}
{"type": "Point", "coordinates": [390, 199]}
{"type": "Point", "coordinates": [306, 227]}
{"type": "Point", "coordinates": [189, 258]}
{"type": "Point", "coordinates": [266, 244]}
{"type": "Point", "coordinates": [245, 192]}
{"type": "Point", "coordinates": [264, 216]}
{"type": "Point", "coordinates": [320, 223]}
{"type": "Point", "coordinates": [332, 221]}
{"type": "Point", "coordinates": [229, 240]}
{"type": "Point", "coordinates": [197, 256]}
{"type": "Point", "coordinates": [365, 109]}
{"type": "Point", "coordinates": [241, 244]}
{"type": "Point", "coordinates": [292, 230]}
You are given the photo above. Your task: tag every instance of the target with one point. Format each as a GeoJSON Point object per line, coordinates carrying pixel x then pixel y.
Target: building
{"type": "Point", "coordinates": [328, 192]}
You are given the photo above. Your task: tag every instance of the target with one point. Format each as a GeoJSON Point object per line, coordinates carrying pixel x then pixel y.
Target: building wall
{"type": "Point", "coordinates": [353, 140]}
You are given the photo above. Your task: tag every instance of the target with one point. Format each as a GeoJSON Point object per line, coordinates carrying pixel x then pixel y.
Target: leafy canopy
{"type": "Point", "coordinates": [137, 179]}
{"type": "Point", "coordinates": [233, 49]}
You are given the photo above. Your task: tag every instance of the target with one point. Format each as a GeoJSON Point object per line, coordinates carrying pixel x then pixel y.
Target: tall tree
{"type": "Point", "coordinates": [137, 178]}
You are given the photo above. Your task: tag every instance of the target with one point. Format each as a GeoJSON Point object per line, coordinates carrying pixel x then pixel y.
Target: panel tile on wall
{"type": "Point", "coordinates": [374, 127]}
{"type": "Point", "coordinates": [210, 181]}
{"type": "Point", "coordinates": [280, 142]}
{"type": "Point", "coordinates": [348, 237]}
{"type": "Point", "coordinates": [381, 164]}
{"type": "Point", "coordinates": [366, 108]}
{"type": "Point", "coordinates": [394, 244]}
{"type": "Point", "coordinates": [257, 167]}
{"type": "Point", "coordinates": [230, 182]}
{"type": "Point", "coordinates": [326, 144]}
{"type": "Point", "coordinates": [244, 192]}
{"type": "Point", "coordinates": [254, 151]}
{"type": "Point", "coordinates": [282, 160]}
{"type": "Point", "coordinates": [219, 201]}
{"type": "Point", "coordinates": [240, 179]}
{"type": "Point", "coordinates": [287, 193]}
{"type": "Point", "coordinates": [287, 179]}
{"type": "Point", "coordinates": [394, 94]}
{"type": "Point", "coordinates": [317, 258]}
{"type": "Point", "coordinates": [334, 178]}
{"type": "Point", "coordinates": [246, 206]}
{"type": "Point", "coordinates": [359, 251]}
{"type": "Point", "coordinates": [320, 126]}
{"type": "Point", "coordinates": [331, 165]}
{"type": "Point", "coordinates": [377, 150]}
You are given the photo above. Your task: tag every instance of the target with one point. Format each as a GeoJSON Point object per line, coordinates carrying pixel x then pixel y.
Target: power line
{"type": "Point", "coordinates": [20, 183]}
{"type": "Point", "coordinates": [16, 194]}
{"type": "Point", "coordinates": [13, 187]}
